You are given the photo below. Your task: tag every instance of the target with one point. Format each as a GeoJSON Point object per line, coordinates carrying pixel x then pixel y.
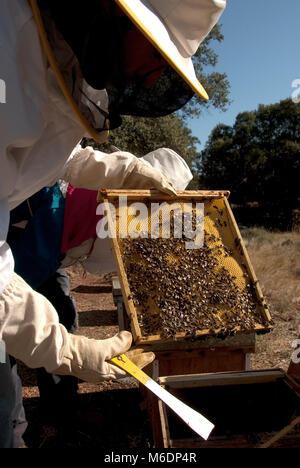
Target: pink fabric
{"type": "Point", "coordinates": [80, 217]}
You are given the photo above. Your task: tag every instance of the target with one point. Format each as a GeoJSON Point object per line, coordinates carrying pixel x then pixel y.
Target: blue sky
{"type": "Point", "coordinates": [260, 54]}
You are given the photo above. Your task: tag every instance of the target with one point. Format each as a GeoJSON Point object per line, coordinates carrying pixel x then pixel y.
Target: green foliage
{"type": "Point", "coordinates": [215, 83]}
{"type": "Point", "coordinates": [142, 135]}
{"type": "Point", "coordinates": [258, 160]}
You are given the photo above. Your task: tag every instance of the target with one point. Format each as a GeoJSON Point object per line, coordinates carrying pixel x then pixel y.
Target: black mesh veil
{"type": "Point", "coordinates": [86, 39]}
{"type": "Point", "coordinates": [168, 94]}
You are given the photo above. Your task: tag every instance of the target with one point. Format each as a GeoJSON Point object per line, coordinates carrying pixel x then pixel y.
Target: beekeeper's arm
{"type": "Point", "coordinates": [31, 333]}
{"type": "Point", "coordinates": [92, 169]}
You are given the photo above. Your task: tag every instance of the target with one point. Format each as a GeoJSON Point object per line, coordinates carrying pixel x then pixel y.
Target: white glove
{"type": "Point", "coordinates": [92, 169]}
{"type": "Point", "coordinates": [31, 331]}
{"type": "Point", "coordinates": [87, 359]}
{"type": "Point", "coordinates": [144, 176]}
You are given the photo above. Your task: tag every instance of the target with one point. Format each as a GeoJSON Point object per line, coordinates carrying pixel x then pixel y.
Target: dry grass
{"type": "Point", "coordinates": [276, 260]}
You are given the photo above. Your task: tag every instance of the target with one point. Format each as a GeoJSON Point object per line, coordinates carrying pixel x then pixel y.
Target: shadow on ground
{"type": "Point", "coordinates": [105, 420]}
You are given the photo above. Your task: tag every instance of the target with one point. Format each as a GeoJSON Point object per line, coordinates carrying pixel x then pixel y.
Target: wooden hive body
{"type": "Point", "coordinates": [224, 248]}
{"type": "Point", "coordinates": [253, 409]}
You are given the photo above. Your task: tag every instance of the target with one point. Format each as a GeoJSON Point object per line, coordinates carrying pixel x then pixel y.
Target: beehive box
{"type": "Point", "coordinates": [174, 289]}
{"type": "Point", "coordinates": [252, 409]}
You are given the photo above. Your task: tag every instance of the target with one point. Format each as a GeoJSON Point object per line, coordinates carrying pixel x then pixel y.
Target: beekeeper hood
{"type": "Point", "coordinates": [124, 57]}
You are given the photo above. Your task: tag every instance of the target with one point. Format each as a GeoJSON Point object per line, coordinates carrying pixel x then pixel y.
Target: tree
{"type": "Point", "coordinates": [142, 135]}
{"type": "Point", "coordinates": [258, 160]}
{"type": "Point", "coordinates": [215, 83]}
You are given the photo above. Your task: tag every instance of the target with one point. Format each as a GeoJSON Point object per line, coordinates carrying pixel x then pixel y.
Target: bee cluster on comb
{"type": "Point", "coordinates": [179, 290]}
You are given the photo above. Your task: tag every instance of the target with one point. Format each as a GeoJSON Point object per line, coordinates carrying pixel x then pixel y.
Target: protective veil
{"type": "Point", "coordinates": [91, 60]}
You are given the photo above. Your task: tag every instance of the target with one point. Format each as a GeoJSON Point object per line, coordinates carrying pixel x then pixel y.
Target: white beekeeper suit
{"type": "Point", "coordinates": [38, 131]}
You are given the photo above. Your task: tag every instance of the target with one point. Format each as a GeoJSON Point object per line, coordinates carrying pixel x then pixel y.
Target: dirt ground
{"type": "Point", "coordinates": [112, 414]}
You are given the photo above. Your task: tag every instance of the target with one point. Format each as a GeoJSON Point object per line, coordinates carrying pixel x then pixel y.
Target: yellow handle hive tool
{"type": "Point", "coordinates": [192, 418]}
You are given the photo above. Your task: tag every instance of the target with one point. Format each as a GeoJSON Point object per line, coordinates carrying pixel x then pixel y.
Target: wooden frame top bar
{"type": "Point", "coordinates": [132, 194]}
{"type": "Point", "coordinates": [222, 378]}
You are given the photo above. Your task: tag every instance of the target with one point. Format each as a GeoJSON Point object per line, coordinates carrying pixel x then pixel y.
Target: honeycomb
{"type": "Point", "coordinates": [178, 291]}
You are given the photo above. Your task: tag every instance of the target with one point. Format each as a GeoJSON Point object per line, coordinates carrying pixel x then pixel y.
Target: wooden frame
{"type": "Point", "coordinates": [109, 196]}
{"type": "Point", "coordinates": [251, 271]}
{"type": "Point", "coordinates": [221, 378]}
{"type": "Point", "coordinates": [156, 195]}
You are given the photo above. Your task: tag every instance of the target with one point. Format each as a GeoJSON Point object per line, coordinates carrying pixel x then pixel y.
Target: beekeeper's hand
{"type": "Point", "coordinates": [144, 176]}
{"type": "Point", "coordinates": [30, 329]}
{"type": "Point", "coordinates": [92, 169]}
{"type": "Point", "coordinates": [88, 359]}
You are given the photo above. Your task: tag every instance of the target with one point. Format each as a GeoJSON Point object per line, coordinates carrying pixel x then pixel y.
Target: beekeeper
{"type": "Point", "coordinates": [69, 71]}
{"type": "Point", "coordinates": [56, 227]}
